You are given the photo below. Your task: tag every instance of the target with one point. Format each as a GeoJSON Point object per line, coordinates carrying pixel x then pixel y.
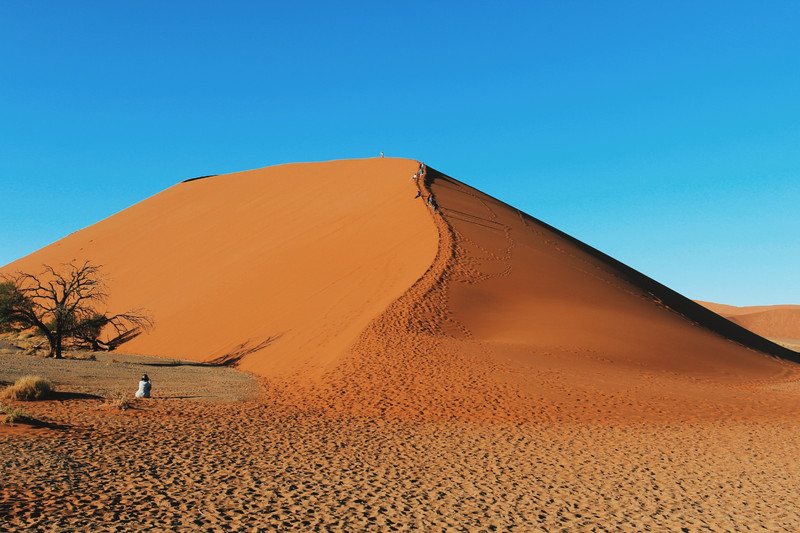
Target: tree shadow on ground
{"type": "Point", "coordinates": [233, 357]}
{"type": "Point", "coordinates": [174, 363]}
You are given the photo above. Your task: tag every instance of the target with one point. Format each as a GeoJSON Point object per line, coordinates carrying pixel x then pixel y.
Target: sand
{"type": "Point", "coordinates": [349, 295]}
{"type": "Point", "coordinates": [515, 321]}
{"type": "Point", "coordinates": [177, 464]}
{"type": "Point", "coordinates": [337, 285]}
{"type": "Point", "coordinates": [468, 368]}
{"type": "Point", "coordinates": [779, 323]}
{"type": "Point", "coordinates": [287, 263]}
{"type": "Point", "coordinates": [109, 374]}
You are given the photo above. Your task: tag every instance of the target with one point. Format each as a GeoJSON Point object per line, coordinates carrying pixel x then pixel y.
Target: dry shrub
{"type": "Point", "coordinates": [120, 400]}
{"type": "Point", "coordinates": [11, 416]}
{"type": "Point", "coordinates": [81, 356]}
{"type": "Point", "coordinates": [29, 388]}
{"type": "Point", "coordinates": [37, 349]}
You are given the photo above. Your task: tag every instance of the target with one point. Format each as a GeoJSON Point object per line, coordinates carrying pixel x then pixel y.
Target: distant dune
{"type": "Point", "coordinates": [779, 323]}
{"type": "Point", "coordinates": [346, 293]}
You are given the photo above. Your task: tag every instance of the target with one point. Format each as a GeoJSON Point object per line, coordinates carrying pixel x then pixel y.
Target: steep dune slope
{"type": "Point", "coordinates": [779, 323]}
{"type": "Point", "coordinates": [515, 320]}
{"type": "Point", "coordinates": [280, 267]}
{"type": "Point", "coordinates": [526, 283]}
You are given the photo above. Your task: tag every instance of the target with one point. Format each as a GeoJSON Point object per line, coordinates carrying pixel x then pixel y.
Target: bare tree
{"type": "Point", "coordinates": [62, 304]}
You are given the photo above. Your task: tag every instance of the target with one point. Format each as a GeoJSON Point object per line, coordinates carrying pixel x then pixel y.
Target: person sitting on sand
{"type": "Point", "coordinates": [144, 387]}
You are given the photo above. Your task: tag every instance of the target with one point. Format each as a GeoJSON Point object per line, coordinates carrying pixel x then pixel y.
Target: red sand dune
{"type": "Point", "coordinates": [296, 259]}
{"type": "Point", "coordinates": [332, 282]}
{"type": "Point", "coordinates": [780, 323]}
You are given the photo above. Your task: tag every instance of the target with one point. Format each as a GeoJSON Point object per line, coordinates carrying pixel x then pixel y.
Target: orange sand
{"type": "Point", "coordinates": [174, 465]}
{"type": "Point", "coordinates": [780, 323]}
{"type": "Point", "coordinates": [467, 370]}
{"type": "Point", "coordinates": [346, 294]}
{"type": "Point", "coordinates": [295, 259]}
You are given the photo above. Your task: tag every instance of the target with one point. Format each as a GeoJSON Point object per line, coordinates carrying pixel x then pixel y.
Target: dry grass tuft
{"type": "Point", "coordinates": [29, 388]}
{"type": "Point", "coordinates": [120, 400]}
{"type": "Point", "coordinates": [11, 416]}
{"type": "Point", "coordinates": [81, 356]}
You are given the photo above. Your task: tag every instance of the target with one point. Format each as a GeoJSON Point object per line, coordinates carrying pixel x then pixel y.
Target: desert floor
{"type": "Point", "coordinates": [209, 452]}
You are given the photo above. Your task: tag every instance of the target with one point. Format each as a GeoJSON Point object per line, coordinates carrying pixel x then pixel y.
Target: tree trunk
{"type": "Point", "coordinates": [51, 343]}
{"type": "Point", "coordinates": [58, 348]}
{"type": "Point", "coordinates": [54, 339]}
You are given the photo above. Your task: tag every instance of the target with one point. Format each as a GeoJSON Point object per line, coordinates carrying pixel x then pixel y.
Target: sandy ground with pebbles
{"type": "Point", "coordinates": [110, 374]}
{"type": "Point", "coordinates": [214, 462]}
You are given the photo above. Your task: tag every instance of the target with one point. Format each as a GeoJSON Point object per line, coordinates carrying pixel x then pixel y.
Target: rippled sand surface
{"type": "Point", "coordinates": [179, 464]}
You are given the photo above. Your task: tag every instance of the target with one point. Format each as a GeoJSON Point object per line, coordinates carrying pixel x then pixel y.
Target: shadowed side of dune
{"type": "Point", "coordinates": [575, 269]}
{"type": "Point", "coordinates": [637, 283]}
{"type": "Point", "coordinates": [780, 323]}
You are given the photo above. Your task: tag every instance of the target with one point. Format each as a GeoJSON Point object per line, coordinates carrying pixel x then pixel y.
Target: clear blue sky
{"type": "Point", "coordinates": [666, 134]}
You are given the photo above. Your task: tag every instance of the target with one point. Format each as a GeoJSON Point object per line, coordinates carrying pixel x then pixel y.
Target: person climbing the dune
{"type": "Point", "coordinates": [144, 387]}
{"type": "Point", "coordinates": [419, 193]}
{"type": "Point", "coordinates": [432, 203]}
